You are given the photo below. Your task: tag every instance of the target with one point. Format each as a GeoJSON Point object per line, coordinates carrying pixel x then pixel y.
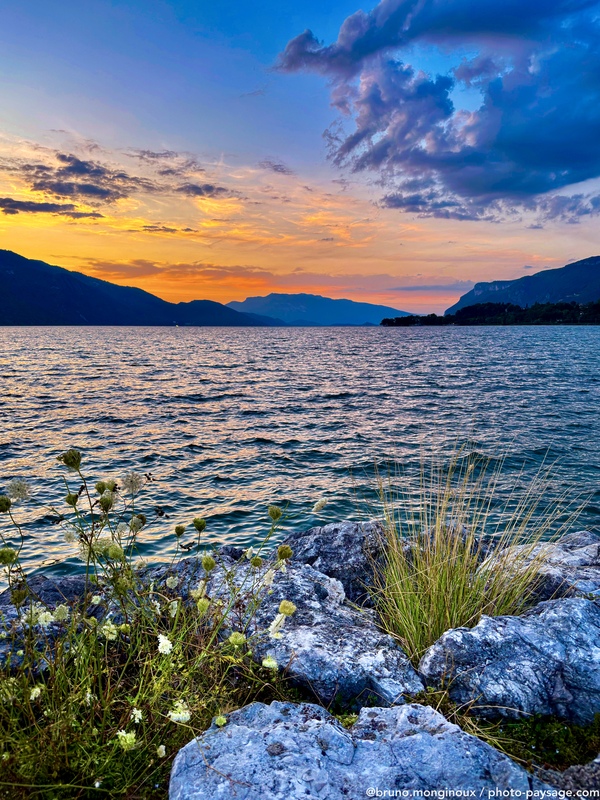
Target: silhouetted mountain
{"type": "Point", "coordinates": [36, 293]}
{"type": "Point", "coordinates": [576, 283]}
{"type": "Point", "coordinates": [312, 309]}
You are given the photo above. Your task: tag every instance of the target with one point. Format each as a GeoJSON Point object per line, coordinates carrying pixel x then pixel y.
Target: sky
{"type": "Point", "coordinates": [394, 153]}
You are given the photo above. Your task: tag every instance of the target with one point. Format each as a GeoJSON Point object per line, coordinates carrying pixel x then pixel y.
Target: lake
{"type": "Point", "coordinates": [229, 420]}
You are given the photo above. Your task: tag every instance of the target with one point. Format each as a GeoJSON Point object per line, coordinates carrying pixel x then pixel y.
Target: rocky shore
{"type": "Point", "coordinates": [546, 661]}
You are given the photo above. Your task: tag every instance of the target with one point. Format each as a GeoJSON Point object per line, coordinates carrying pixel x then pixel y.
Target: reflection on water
{"type": "Point", "coordinates": [229, 420]}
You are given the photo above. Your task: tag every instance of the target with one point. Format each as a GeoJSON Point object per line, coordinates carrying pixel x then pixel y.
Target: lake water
{"type": "Point", "coordinates": [229, 420]}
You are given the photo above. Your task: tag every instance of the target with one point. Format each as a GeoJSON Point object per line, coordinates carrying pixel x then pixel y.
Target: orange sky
{"type": "Point", "coordinates": [256, 229]}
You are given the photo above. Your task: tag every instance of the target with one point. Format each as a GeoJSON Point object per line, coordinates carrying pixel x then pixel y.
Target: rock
{"type": "Point", "coordinates": [574, 779]}
{"type": "Point", "coordinates": [52, 592]}
{"type": "Point", "coordinates": [345, 551]}
{"type": "Point", "coordinates": [285, 751]}
{"type": "Point", "coordinates": [570, 567]}
{"type": "Point", "coordinates": [546, 661]}
{"type": "Point", "coordinates": [331, 650]}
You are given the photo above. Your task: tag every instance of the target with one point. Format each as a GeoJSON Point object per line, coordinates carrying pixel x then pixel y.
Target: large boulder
{"type": "Point", "coordinates": [285, 751]}
{"type": "Point", "coordinates": [546, 661]}
{"type": "Point", "coordinates": [346, 551]}
{"type": "Point", "coordinates": [568, 567]}
{"type": "Point", "coordinates": [333, 651]}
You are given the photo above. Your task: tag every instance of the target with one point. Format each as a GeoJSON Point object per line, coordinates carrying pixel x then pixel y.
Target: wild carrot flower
{"type": "Point", "coordinates": [220, 721]}
{"type": "Point", "coordinates": [237, 639]}
{"type": "Point", "coordinates": [160, 751]}
{"type": "Point", "coordinates": [173, 606]}
{"type": "Point", "coordinates": [276, 626]}
{"type": "Point", "coordinates": [284, 551]}
{"type": "Point", "coordinates": [35, 693]}
{"type": "Point", "coordinates": [203, 605]}
{"type": "Point", "coordinates": [199, 524]}
{"type": "Point", "coordinates": [96, 599]}
{"type": "Point", "coordinates": [126, 740]}
{"type": "Point", "coordinates": [172, 581]}
{"type": "Point", "coordinates": [108, 630]}
{"type": "Point", "coordinates": [136, 524]}
{"type": "Point", "coordinates": [208, 563]}
{"type": "Point", "coordinates": [269, 663]}
{"type": "Point", "coordinates": [71, 459]}
{"type": "Point", "coordinates": [18, 489]}
{"type": "Point", "coordinates": [8, 555]}
{"type": "Point", "coordinates": [287, 608]}
{"type": "Point", "coordinates": [136, 715]}
{"type": "Point", "coordinates": [165, 645]}
{"type": "Point", "coordinates": [61, 613]}
{"type": "Point", "coordinates": [180, 712]}
{"type": "Point", "coordinates": [319, 506]}
{"type": "Point", "coordinates": [275, 513]}
{"type": "Point", "coordinates": [5, 504]}
{"type": "Point", "coordinates": [132, 483]}
{"type": "Point", "coordinates": [45, 618]}
{"type": "Point", "coordinates": [179, 530]}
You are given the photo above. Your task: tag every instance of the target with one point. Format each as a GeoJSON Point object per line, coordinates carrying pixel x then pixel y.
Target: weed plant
{"type": "Point", "coordinates": [97, 696]}
{"type": "Point", "coordinates": [436, 573]}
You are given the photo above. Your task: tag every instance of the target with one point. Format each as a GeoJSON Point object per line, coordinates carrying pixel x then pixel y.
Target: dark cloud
{"type": "Point", "coordinates": [80, 179]}
{"type": "Point", "coordinates": [10, 206]}
{"type": "Point", "coordinates": [204, 190]}
{"type": "Point", "coordinates": [536, 131]}
{"type": "Point", "coordinates": [276, 166]}
{"type": "Point", "coordinates": [168, 163]}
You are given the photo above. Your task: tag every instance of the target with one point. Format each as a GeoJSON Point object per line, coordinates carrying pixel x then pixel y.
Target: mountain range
{"type": "Point", "coordinates": [36, 293]}
{"type": "Point", "coordinates": [313, 309]}
{"type": "Point", "coordinates": [578, 282]}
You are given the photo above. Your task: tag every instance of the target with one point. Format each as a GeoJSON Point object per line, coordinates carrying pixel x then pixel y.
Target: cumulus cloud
{"type": "Point", "coordinates": [535, 133]}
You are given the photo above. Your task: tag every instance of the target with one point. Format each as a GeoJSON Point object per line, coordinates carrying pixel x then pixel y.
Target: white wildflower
{"type": "Point", "coordinates": [269, 577]}
{"type": "Point", "coordinates": [61, 613]}
{"type": "Point", "coordinates": [89, 697]}
{"type": "Point", "coordinates": [45, 618]}
{"type": "Point", "coordinates": [172, 581]}
{"type": "Point", "coordinates": [276, 626]}
{"type": "Point", "coordinates": [269, 663]}
{"type": "Point", "coordinates": [160, 751]}
{"type": "Point", "coordinates": [135, 525]}
{"type": "Point", "coordinates": [132, 483]}
{"type": "Point", "coordinates": [136, 715]}
{"type": "Point", "coordinates": [18, 489]}
{"type": "Point", "coordinates": [126, 740]}
{"type": "Point", "coordinates": [96, 600]}
{"type": "Point", "coordinates": [70, 536]}
{"type": "Point", "coordinates": [199, 592]}
{"type": "Point", "coordinates": [319, 506]}
{"type": "Point", "coordinates": [180, 712]}
{"type": "Point", "coordinates": [121, 530]}
{"type": "Point", "coordinates": [249, 553]}
{"type": "Point", "coordinates": [156, 606]}
{"type": "Point", "coordinates": [35, 693]}
{"type": "Point", "coordinates": [173, 606]}
{"type": "Point", "coordinates": [108, 630]}
{"type": "Point", "coordinates": [165, 645]}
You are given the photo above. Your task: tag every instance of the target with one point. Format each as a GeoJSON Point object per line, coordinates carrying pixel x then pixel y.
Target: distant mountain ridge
{"type": "Point", "coordinates": [36, 293]}
{"type": "Point", "coordinates": [314, 309]}
{"type": "Point", "coordinates": [578, 282]}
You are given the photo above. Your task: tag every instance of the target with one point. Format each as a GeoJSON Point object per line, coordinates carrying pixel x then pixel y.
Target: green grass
{"type": "Point", "coordinates": [432, 578]}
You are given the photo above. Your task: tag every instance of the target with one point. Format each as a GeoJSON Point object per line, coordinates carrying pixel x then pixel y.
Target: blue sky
{"type": "Point", "coordinates": [461, 143]}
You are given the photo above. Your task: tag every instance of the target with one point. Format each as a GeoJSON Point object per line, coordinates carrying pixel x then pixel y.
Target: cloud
{"type": "Point", "coordinates": [276, 166]}
{"type": "Point", "coordinates": [81, 179]}
{"type": "Point", "coordinates": [434, 288]}
{"type": "Point", "coordinates": [536, 131]}
{"type": "Point", "coordinates": [10, 206]}
{"type": "Point", "coordinates": [204, 190]}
